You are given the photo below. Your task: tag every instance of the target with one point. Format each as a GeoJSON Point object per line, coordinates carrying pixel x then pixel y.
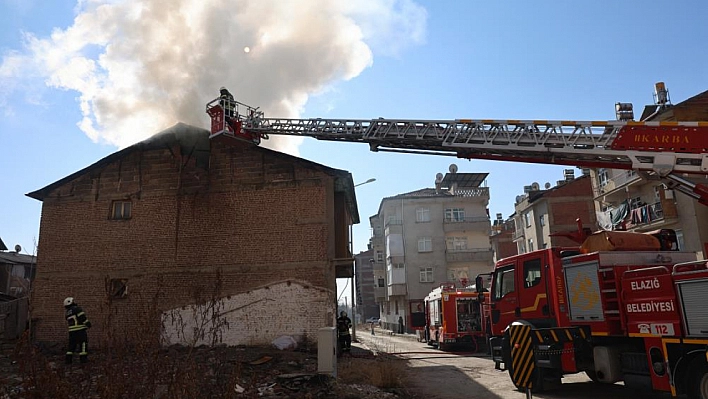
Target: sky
{"type": "Point", "coordinates": [82, 79]}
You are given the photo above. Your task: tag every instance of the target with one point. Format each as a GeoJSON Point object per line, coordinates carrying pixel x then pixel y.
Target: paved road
{"type": "Point", "coordinates": [442, 375]}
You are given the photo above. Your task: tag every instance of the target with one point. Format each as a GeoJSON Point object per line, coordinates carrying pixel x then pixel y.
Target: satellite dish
{"type": "Point", "coordinates": [18, 248]}
{"type": "Point", "coordinates": [547, 185]}
{"type": "Point", "coordinates": [535, 186]}
{"type": "Point", "coordinates": [453, 168]}
{"type": "Point", "coordinates": [439, 177]}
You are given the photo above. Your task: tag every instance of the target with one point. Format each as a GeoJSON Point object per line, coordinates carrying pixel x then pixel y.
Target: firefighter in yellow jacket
{"type": "Point", "coordinates": [78, 337]}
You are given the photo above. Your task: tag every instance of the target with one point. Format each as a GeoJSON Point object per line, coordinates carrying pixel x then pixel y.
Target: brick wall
{"type": "Point", "coordinates": [254, 218]}
{"type": "Point", "coordinates": [569, 202]}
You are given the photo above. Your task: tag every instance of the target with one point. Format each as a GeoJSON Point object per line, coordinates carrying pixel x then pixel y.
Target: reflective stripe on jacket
{"type": "Point", "coordinates": [76, 318]}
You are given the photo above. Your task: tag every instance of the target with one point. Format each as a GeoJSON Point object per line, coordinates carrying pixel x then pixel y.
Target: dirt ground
{"type": "Point", "coordinates": [181, 372]}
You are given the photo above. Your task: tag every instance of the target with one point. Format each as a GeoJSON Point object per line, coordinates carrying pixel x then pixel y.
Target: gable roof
{"type": "Point", "coordinates": [195, 141]}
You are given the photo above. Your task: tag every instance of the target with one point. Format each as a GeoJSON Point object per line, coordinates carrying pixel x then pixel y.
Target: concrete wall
{"type": "Point", "coordinates": [256, 317]}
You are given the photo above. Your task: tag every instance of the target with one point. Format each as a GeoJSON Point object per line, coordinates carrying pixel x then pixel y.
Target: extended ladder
{"type": "Point", "coordinates": [659, 148]}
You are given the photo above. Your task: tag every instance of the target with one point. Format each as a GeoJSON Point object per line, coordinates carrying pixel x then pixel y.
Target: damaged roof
{"type": "Point", "coordinates": [195, 141]}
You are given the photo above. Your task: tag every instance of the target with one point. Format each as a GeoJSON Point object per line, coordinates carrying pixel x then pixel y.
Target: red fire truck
{"type": "Point", "coordinates": [454, 316]}
{"type": "Point", "coordinates": [621, 307]}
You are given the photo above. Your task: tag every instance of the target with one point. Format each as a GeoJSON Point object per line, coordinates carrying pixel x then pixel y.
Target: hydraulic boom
{"type": "Point", "coordinates": [660, 149]}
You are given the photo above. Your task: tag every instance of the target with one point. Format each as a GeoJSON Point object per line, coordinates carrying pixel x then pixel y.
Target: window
{"type": "Point", "coordinates": [422, 215]}
{"type": "Point", "coordinates": [522, 247]}
{"type": "Point", "coordinates": [379, 256]}
{"type": "Point", "coordinates": [635, 202]}
{"type": "Point", "coordinates": [382, 283]}
{"type": "Point", "coordinates": [542, 220]}
{"type": "Point", "coordinates": [527, 219]}
{"type": "Point", "coordinates": [394, 220]}
{"type": "Point", "coordinates": [454, 215]}
{"type": "Point", "coordinates": [426, 275]}
{"type": "Point", "coordinates": [399, 265]}
{"type": "Point", "coordinates": [530, 244]}
{"type": "Point", "coordinates": [425, 244]}
{"type": "Point", "coordinates": [602, 177]}
{"type": "Point", "coordinates": [456, 243]}
{"type": "Point", "coordinates": [503, 282]}
{"type": "Point", "coordinates": [657, 192]}
{"type": "Point", "coordinates": [121, 210]}
{"type": "Point", "coordinates": [532, 273]}
{"type": "Point", "coordinates": [118, 288]}
{"type": "Point", "coordinates": [396, 302]}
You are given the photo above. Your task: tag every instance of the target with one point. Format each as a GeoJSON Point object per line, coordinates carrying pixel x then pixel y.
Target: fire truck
{"type": "Point", "coordinates": [454, 317]}
{"type": "Point", "coordinates": [631, 311]}
{"type": "Point", "coordinates": [622, 306]}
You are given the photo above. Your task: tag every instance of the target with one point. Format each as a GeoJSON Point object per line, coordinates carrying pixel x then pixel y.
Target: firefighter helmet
{"type": "Point", "coordinates": [68, 301]}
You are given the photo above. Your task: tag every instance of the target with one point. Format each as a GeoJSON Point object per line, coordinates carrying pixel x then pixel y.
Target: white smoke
{"type": "Point", "coordinates": [140, 66]}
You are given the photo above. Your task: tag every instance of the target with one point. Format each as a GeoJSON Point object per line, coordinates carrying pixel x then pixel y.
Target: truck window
{"type": "Point", "coordinates": [532, 272]}
{"type": "Point", "coordinates": [503, 282]}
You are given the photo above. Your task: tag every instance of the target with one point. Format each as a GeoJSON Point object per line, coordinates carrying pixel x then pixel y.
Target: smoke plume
{"type": "Point", "coordinates": [140, 66]}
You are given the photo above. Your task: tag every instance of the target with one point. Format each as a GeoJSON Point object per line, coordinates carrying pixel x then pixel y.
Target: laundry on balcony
{"type": "Point", "coordinates": [643, 214]}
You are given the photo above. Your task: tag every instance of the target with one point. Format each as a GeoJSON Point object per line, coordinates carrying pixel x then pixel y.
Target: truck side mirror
{"type": "Point", "coordinates": [479, 284]}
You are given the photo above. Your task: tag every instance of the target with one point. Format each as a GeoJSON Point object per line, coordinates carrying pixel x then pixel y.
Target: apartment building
{"type": "Point", "coordinates": [540, 213]}
{"type": "Point", "coordinates": [427, 237]}
{"type": "Point", "coordinates": [502, 237]}
{"type": "Point", "coordinates": [366, 306]}
{"type": "Point", "coordinates": [627, 200]}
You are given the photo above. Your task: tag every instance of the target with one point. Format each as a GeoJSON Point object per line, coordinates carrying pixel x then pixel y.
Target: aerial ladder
{"type": "Point", "coordinates": [658, 150]}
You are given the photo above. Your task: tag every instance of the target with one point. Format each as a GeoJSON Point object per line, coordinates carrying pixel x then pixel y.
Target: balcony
{"type": "Point", "coordinates": [472, 223]}
{"type": "Point", "coordinates": [649, 216]}
{"type": "Point", "coordinates": [397, 290]}
{"type": "Point", "coordinates": [609, 186]}
{"type": "Point", "coordinates": [473, 192]}
{"type": "Point", "coordinates": [469, 255]}
{"type": "Point", "coordinates": [379, 294]}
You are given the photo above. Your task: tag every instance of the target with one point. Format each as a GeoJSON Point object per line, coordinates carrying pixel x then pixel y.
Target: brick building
{"type": "Point", "coordinates": [539, 214]}
{"type": "Point", "coordinates": [194, 241]}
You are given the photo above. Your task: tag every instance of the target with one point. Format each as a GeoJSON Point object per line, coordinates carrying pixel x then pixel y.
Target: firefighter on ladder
{"type": "Point", "coordinates": [78, 324]}
{"type": "Point", "coordinates": [226, 100]}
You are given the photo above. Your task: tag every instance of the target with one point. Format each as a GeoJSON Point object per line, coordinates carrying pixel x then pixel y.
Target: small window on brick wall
{"type": "Point", "coordinates": [121, 210]}
{"type": "Point", "coordinates": [118, 288]}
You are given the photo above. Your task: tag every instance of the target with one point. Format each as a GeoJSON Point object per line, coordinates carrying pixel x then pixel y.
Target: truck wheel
{"type": "Point", "coordinates": [698, 381]}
